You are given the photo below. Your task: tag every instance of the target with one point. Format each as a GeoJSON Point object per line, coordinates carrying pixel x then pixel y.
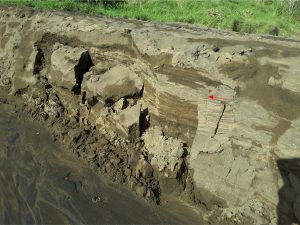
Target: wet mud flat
{"type": "Point", "coordinates": [42, 183]}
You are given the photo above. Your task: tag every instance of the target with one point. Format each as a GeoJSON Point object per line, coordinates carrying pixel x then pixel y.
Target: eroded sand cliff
{"type": "Point", "coordinates": [132, 99]}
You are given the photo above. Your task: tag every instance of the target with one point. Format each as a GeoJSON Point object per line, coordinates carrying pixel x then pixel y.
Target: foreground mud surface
{"type": "Point", "coordinates": [42, 184]}
{"type": "Point", "coordinates": [170, 110]}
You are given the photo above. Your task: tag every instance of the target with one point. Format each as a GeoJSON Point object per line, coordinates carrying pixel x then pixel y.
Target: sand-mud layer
{"type": "Point", "coordinates": [209, 117]}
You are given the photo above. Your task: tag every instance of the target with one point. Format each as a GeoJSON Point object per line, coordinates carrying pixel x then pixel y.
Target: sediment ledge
{"type": "Point", "coordinates": [210, 116]}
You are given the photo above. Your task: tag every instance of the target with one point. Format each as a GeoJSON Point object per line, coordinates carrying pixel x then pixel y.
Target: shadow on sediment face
{"type": "Point", "coordinates": [288, 208]}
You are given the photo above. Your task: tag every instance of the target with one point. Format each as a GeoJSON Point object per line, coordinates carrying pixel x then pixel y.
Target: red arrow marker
{"type": "Point", "coordinates": [211, 97]}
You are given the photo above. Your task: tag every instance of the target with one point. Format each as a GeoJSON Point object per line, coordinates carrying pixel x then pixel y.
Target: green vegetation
{"type": "Point", "coordinates": [251, 16]}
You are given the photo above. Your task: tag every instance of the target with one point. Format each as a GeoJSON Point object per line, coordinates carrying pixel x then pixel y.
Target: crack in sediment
{"type": "Point", "coordinates": [83, 66]}
{"type": "Point", "coordinates": [39, 62]}
{"type": "Point", "coordinates": [218, 123]}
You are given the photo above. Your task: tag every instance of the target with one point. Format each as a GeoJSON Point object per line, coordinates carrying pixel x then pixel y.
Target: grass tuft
{"type": "Point", "coordinates": [254, 16]}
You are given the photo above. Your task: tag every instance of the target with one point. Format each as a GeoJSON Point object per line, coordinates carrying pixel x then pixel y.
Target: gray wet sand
{"type": "Point", "coordinates": [43, 184]}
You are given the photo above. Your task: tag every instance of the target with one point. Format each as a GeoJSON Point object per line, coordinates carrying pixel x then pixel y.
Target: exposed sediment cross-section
{"type": "Point", "coordinates": [215, 121]}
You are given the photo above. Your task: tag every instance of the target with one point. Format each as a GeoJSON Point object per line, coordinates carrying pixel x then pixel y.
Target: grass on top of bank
{"type": "Point", "coordinates": [275, 17]}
